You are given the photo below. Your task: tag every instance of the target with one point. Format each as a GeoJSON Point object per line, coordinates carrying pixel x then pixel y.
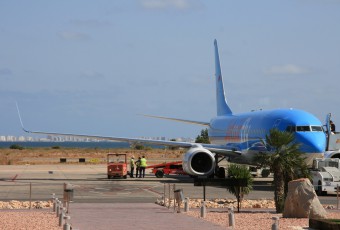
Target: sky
{"type": "Point", "coordinates": [92, 67]}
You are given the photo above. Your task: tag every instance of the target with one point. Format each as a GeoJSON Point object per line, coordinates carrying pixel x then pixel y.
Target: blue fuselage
{"type": "Point", "coordinates": [245, 131]}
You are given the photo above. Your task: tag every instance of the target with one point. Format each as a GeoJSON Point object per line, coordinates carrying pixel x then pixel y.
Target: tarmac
{"type": "Point", "coordinates": [132, 216]}
{"type": "Point", "coordinates": [100, 203]}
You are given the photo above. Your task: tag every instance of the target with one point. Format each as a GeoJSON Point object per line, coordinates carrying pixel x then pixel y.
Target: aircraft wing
{"type": "Point", "coordinates": [219, 149]}
{"type": "Point", "coordinates": [120, 139]}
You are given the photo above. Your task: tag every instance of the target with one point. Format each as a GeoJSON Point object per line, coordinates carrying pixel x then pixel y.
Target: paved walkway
{"type": "Point", "coordinates": [132, 216]}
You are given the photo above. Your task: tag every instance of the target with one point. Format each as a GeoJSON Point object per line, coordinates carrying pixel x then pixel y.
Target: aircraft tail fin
{"type": "Point", "coordinates": [222, 106]}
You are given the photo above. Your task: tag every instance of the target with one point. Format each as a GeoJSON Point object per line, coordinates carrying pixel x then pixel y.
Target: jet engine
{"type": "Point", "coordinates": [198, 161]}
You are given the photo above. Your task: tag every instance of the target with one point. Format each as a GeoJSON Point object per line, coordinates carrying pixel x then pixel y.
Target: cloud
{"type": "Point", "coordinates": [75, 36]}
{"type": "Point", "coordinates": [5, 72]}
{"type": "Point", "coordinates": [289, 69]}
{"type": "Point", "coordinates": [167, 4]}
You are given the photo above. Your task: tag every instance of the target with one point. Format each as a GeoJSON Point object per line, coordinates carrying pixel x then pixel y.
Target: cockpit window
{"type": "Point", "coordinates": [305, 128]}
{"type": "Point", "coordinates": [302, 128]}
{"type": "Point", "coordinates": [317, 128]}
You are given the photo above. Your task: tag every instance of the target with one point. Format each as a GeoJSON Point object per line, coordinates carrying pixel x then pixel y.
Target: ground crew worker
{"type": "Point", "coordinates": [142, 167]}
{"type": "Point", "coordinates": [132, 166]}
{"type": "Point", "coordinates": [137, 163]}
{"type": "Point", "coordinates": [332, 126]}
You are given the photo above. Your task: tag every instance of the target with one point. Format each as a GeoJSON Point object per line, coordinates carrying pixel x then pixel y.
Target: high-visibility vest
{"type": "Point", "coordinates": [143, 162]}
{"type": "Point", "coordinates": [132, 163]}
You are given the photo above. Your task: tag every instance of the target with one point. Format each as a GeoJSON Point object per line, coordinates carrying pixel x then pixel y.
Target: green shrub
{"type": "Point", "coordinates": [240, 172]}
{"type": "Point", "coordinates": [137, 146]}
{"type": "Point", "coordinates": [16, 146]}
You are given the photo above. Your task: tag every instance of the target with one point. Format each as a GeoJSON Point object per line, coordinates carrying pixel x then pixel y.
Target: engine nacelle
{"type": "Point", "coordinates": [198, 161]}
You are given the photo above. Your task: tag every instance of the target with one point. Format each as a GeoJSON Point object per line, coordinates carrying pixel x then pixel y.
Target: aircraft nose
{"type": "Point", "coordinates": [312, 142]}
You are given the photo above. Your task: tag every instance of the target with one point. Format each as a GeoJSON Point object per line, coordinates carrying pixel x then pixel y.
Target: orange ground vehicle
{"type": "Point", "coordinates": [167, 168]}
{"type": "Point", "coordinates": [117, 165]}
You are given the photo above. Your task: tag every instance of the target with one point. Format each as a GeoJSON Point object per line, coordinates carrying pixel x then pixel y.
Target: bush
{"type": "Point", "coordinates": [16, 146]}
{"type": "Point", "coordinates": [137, 146]}
{"type": "Point", "coordinates": [265, 172]}
{"type": "Point", "coordinates": [240, 172]}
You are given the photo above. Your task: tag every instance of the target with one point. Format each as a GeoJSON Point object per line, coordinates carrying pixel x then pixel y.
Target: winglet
{"type": "Point", "coordinates": [22, 124]}
{"type": "Point", "coordinates": [222, 106]}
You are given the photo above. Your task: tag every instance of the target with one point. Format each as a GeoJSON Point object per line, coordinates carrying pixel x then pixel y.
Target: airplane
{"type": "Point", "coordinates": [236, 137]}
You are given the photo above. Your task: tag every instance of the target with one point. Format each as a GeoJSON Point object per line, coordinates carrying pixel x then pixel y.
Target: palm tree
{"type": "Point", "coordinates": [240, 172]}
{"type": "Point", "coordinates": [284, 160]}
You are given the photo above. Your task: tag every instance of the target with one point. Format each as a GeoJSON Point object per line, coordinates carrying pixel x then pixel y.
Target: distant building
{"type": "Point", "coordinates": [21, 138]}
{"type": "Point", "coordinates": [11, 138]}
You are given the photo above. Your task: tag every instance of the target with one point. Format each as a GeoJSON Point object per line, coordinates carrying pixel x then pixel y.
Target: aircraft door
{"type": "Point", "coordinates": [245, 131]}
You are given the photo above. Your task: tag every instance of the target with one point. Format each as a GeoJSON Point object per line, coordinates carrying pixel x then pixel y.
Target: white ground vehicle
{"type": "Point", "coordinates": [333, 150]}
{"type": "Point", "coordinates": [326, 175]}
{"type": "Point", "coordinates": [326, 171]}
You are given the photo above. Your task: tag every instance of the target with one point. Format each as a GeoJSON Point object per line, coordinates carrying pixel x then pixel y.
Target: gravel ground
{"type": "Point", "coordinates": [249, 220]}
{"type": "Point", "coordinates": [257, 220]}
{"type": "Point", "coordinates": [28, 220]}
{"type": "Point", "coordinates": [41, 216]}
{"type": "Point", "coordinates": [16, 215]}
{"type": "Point", "coordinates": [41, 219]}
{"type": "Point", "coordinates": [254, 214]}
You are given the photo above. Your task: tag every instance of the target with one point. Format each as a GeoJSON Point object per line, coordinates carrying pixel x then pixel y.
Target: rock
{"type": "Point", "coordinates": [221, 203]}
{"type": "Point", "coordinates": [38, 205]}
{"type": "Point", "coordinates": [330, 207]}
{"type": "Point", "coordinates": [257, 205]}
{"type": "Point", "coordinates": [302, 201]}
